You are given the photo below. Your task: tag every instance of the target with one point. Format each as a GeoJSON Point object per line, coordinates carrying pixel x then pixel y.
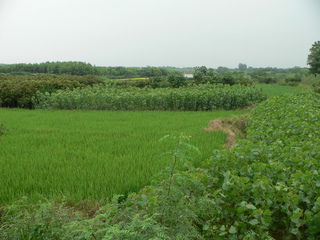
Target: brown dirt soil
{"type": "Point", "coordinates": [234, 128]}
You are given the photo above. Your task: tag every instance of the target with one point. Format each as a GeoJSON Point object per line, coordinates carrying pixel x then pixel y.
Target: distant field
{"type": "Point", "coordinates": [106, 79]}
{"type": "Point", "coordinates": [92, 154]}
{"type": "Point", "coordinates": [276, 89]}
{"type": "Point", "coordinates": [133, 79]}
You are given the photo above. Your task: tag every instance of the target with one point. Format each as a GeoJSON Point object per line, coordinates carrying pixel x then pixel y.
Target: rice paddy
{"type": "Point", "coordinates": [91, 155]}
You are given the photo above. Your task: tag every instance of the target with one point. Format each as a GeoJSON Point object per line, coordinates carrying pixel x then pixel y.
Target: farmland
{"type": "Point", "coordinates": [276, 89]}
{"type": "Point", "coordinates": [148, 168]}
{"type": "Point", "coordinates": [92, 154]}
{"type": "Point", "coordinates": [206, 97]}
{"type": "Point", "coordinates": [266, 187]}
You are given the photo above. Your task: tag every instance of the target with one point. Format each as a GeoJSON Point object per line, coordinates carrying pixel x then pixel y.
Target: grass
{"type": "Point", "coordinates": [276, 89]}
{"type": "Point", "coordinates": [91, 155]}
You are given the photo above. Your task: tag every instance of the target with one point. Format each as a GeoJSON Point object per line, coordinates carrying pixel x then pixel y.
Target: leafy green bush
{"type": "Point", "coordinates": [159, 82]}
{"type": "Point", "coordinates": [17, 90]}
{"type": "Point", "coordinates": [39, 221]}
{"type": "Point", "coordinates": [177, 80]}
{"type": "Point", "coordinates": [270, 181]}
{"type": "Point", "coordinates": [202, 75]}
{"type": "Point", "coordinates": [263, 77]}
{"type": "Point", "coordinates": [140, 83]}
{"type": "Point", "coordinates": [316, 86]}
{"type": "Point", "coordinates": [313, 81]}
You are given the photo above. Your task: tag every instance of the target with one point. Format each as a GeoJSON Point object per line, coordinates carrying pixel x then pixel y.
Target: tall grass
{"type": "Point", "coordinates": [92, 154]}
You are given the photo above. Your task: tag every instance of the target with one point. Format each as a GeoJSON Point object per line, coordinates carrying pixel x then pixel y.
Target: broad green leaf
{"type": "Point", "coordinates": [232, 230]}
{"type": "Point", "coordinates": [250, 206]}
{"type": "Point", "coordinates": [254, 222]}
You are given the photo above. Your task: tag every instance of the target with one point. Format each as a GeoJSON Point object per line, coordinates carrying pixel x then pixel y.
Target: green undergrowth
{"type": "Point", "coordinates": [266, 187]}
{"type": "Point", "coordinates": [18, 90]}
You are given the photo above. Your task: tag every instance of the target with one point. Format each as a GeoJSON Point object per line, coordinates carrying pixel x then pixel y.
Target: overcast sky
{"type": "Point", "coordinates": [181, 33]}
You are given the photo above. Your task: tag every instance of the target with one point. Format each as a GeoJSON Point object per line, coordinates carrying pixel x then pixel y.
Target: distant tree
{"type": "Point", "coordinates": [222, 69]}
{"type": "Point", "coordinates": [314, 58]}
{"type": "Point", "coordinates": [177, 80]}
{"type": "Point", "coordinates": [229, 78]}
{"type": "Point", "coordinates": [235, 77]}
{"type": "Point", "coordinates": [242, 66]}
{"type": "Point", "coordinates": [157, 81]}
{"type": "Point", "coordinates": [213, 76]}
{"type": "Point", "coordinates": [199, 74]}
{"type": "Point", "coordinates": [262, 77]}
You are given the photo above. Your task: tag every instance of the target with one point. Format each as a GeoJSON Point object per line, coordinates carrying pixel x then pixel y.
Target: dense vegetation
{"type": "Point", "coordinates": [266, 186]}
{"type": "Point", "coordinates": [20, 82]}
{"type": "Point", "coordinates": [203, 97]}
{"type": "Point", "coordinates": [314, 58]}
{"type": "Point", "coordinates": [244, 75]}
{"type": "Point", "coordinates": [81, 68]}
{"type": "Point", "coordinates": [202, 74]}
{"type": "Point", "coordinates": [17, 90]}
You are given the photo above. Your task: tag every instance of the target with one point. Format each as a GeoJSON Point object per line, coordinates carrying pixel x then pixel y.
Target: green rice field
{"type": "Point", "coordinates": [276, 89]}
{"type": "Point", "coordinates": [91, 155]}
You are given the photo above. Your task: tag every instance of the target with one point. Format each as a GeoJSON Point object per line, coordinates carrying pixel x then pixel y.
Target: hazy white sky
{"type": "Point", "coordinates": [181, 33]}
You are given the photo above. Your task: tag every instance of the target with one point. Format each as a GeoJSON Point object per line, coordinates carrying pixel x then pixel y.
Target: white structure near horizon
{"type": "Point", "coordinates": [188, 75]}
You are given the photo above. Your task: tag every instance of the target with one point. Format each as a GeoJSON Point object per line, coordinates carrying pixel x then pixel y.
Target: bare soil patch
{"type": "Point", "coordinates": [234, 128]}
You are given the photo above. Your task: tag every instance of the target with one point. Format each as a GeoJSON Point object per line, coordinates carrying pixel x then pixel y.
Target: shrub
{"type": "Point", "coordinates": [140, 83]}
{"type": "Point", "coordinates": [313, 81]}
{"type": "Point", "coordinates": [177, 80]}
{"type": "Point", "coordinates": [39, 221]}
{"type": "Point", "coordinates": [263, 77]}
{"type": "Point", "coordinates": [159, 81]}
{"type": "Point", "coordinates": [18, 90]}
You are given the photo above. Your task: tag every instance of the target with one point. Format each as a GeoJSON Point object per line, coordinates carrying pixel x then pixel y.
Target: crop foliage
{"type": "Point", "coordinates": [197, 98]}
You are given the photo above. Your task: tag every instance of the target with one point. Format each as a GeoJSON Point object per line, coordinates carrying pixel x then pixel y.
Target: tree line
{"type": "Point", "coordinates": [159, 75]}
{"type": "Point", "coordinates": [82, 68]}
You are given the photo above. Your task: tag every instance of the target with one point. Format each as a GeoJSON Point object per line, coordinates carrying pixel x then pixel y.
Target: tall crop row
{"type": "Point", "coordinates": [204, 97]}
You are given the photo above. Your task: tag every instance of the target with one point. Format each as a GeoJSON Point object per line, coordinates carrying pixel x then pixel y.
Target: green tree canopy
{"type": "Point", "coordinates": [177, 80]}
{"type": "Point", "coordinates": [242, 66]}
{"type": "Point", "coordinates": [314, 58]}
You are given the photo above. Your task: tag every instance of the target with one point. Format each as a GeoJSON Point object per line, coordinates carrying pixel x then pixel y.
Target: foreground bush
{"type": "Point", "coordinates": [266, 187]}
{"type": "Point", "coordinates": [204, 97]}
{"type": "Point", "coordinates": [17, 90]}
